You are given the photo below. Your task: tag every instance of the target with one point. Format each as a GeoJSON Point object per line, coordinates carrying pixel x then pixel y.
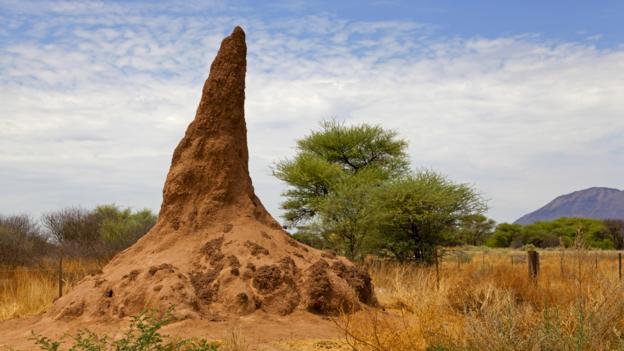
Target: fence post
{"type": "Point", "coordinates": [512, 261]}
{"type": "Point", "coordinates": [561, 263]}
{"type": "Point", "coordinates": [458, 262]}
{"type": "Point", "coordinates": [620, 265]}
{"type": "Point", "coordinates": [533, 260]}
{"type": "Point", "coordinates": [596, 260]}
{"type": "Point", "coordinates": [437, 268]}
{"type": "Point", "coordinates": [483, 260]}
{"type": "Point", "coordinates": [60, 276]}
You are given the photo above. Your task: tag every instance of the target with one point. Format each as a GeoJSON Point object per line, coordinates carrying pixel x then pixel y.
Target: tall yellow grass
{"type": "Point", "coordinates": [577, 303]}
{"type": "Point", "coordinates": [481, 302]}
{"type": "Point", "coordinates": [29, 290]}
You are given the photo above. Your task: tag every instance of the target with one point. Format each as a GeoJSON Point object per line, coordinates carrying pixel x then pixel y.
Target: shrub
{"type": "Point", "coordinates": [143, 334]}
{"type": "Point", "coordinates": [20, 241]}
{"type": "Point", "coordinates": [97, 233]}
{"type": "Point", "coordinates": [504, 235]}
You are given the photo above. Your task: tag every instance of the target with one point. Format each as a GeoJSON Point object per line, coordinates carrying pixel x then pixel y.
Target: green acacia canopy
{"type": "Point", "coordinates": [329, 157]}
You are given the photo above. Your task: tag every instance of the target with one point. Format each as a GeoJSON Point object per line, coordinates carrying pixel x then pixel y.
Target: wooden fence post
{"type": "Point", "coordinates": [512, 261]}
{"type": "Point", "coordinates": [60, 276]}
{"type": "Point", "coordinates": [437, 268]}
{"type": "Point", "coordinates": [561, 263]}
{"type": "Point", "coordinates": [620, 265]}
{"type": "Point", "coordinates": [596, 260]}
{"type": "Point", "coordinates": [533, 260]}
{"type": "Point", "coordinates": [458, 262]}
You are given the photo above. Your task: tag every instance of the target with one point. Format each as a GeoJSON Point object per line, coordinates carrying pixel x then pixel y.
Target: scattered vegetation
{"type": "Point", "coordinates": [96, 233]}
{"type": "Point", "coordinates": [596, 233]}
{"type": "Point", "coordinates": [21, 241]}
{"type": "Point", "coordinates": [28, 290]}
{"type": "Point", "coordinates": [416, 214]}
{"type": "Point", "coordinates": [72, 232]}
{"type": "Point", "coordinates": [351, 190]}
{"type": "Point", "coordinates": [143, 334]}
{"type": "Point", "coordinates": [29, 252]}
{"type": "Point", "coordinates": [490, 303]}
{"type": "Point", "coordinates": [484, 300]}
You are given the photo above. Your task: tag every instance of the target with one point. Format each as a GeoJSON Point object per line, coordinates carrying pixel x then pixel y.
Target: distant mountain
{"type": "Point", "coordinates": [600, 203]}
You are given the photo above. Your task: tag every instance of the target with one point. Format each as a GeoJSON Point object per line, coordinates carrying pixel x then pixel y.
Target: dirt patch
{"type": "Point", "coordinates": [267, 278]}
{"type": "Point", "coordinates": [205, 285]}
{"type": "Point", "coordinates": [74, 310]}
{"type": "Point", "coordinates": [132, 275]}
{"type": "Point", "coordinates": [319, 288]}
{"type": "Point", "coordinates": [287, 264]}
{"type": "Point", "coordinates": [233, 261]}
{"type": "Point", "coordinates": [294, 243]}
{"type": "Point", "coordinates": [331, 254]}
{"type": "Point", "coordinates": [212, 250]}
{"type": "Point", "coordinates": [165, 267]}
{"type": "Point", "coordinates": [359, 279]}
{"type": "Point", "coordinates": [256, 249]}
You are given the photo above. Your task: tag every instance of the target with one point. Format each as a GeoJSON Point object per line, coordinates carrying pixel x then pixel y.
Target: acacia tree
{"type": "Point", "coordinates": [414, 213]}
{"type": "Point", "coordinates": [331, 176]}
{"type": "Point", "coordinates": [346, 214]}
{"type": "Point", "coordinates": [475, 229]}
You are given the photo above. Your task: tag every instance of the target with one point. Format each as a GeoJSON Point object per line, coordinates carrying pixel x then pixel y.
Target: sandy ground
{"type": "Point", "coordinates": [261, 331]}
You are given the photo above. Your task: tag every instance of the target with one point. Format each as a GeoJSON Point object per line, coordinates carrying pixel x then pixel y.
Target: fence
{"type": "Point", "coordinates": [451, 259]}
{"type": "Point", "coordinates": [570, 262]}
{"type": "Point", "coordinates": [53, 271]}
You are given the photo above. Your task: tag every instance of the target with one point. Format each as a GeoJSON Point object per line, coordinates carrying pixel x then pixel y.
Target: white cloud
{"type": "Point", "coordinates": [93, 104]}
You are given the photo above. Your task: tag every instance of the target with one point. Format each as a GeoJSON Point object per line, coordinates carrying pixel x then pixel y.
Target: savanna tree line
{"type": "Point", "coordinates": [352, 189]}
{"type": "Point", "coordinates": [563, 232]}
{"type": "Point", "coordinates": [71, 232]}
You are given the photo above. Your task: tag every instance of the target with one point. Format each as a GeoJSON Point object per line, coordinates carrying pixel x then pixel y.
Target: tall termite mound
{"type": "Point", "coordinates": [215, 251]}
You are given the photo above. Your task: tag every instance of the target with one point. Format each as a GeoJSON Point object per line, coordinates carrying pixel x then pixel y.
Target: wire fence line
{"type": "Point", "coordinates": [445, 259]}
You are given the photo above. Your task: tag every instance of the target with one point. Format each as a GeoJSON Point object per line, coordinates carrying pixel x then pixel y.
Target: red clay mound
{"type": "Point", "coordinates": [216, 252]}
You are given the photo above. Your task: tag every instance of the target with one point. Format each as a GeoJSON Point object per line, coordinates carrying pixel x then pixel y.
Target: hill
{"type": "Point", "coordinates": [597, 202]}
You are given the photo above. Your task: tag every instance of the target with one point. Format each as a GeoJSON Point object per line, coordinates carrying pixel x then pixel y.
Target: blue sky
{"type": "Point", "coordinates": [558, 20]}
{"type": "Point", "coordinates": [522, 99]}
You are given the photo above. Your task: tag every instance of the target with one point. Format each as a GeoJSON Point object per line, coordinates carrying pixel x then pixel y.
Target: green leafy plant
{"type": "Point", "coordinates": [143, 334]}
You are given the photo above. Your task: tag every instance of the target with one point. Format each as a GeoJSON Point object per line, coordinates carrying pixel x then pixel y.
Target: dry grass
{"type": "Point", "coordinates": [488, 304]}
{"type": "Point", "coordinates": [482, 303]}
{"type": "Point", "coordinates": [235, 342]}
{"type": "Point", "coordinates": [29, 290]}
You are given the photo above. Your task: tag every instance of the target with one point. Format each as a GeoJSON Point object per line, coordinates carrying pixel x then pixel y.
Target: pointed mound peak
{"type": "Point", "coordinates": [239, 32]}
{"type": "Point", "coordinates": [209, 176]}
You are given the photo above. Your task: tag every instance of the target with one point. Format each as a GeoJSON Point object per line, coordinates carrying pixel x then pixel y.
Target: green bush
{"type": "Point", "coordinates": [142, 335]}
{"type": "Point", "coordinates": [504, 235]}
{"type": "Point", "coordinates": [594, 233]}
{"type": "Point", "coordinates": [97, 233]}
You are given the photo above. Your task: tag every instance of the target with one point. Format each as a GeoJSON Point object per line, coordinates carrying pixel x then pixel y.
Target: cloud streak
{"type": "Point", "coordinates": [95, 98]}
